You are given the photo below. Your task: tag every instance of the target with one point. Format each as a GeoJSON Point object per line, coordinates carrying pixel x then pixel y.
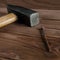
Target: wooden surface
{"type": "Point", "coordinates": [26, 41]}
{"type": "Point", "coordinates": [44, 4]}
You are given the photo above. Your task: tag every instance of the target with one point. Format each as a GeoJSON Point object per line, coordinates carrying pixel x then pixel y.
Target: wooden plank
{"type": "Point", "coordinates": [45, 4]}
{"type": "Point", "coordinates": [3, 3]}
{"type": "Point", "coordinates": [26, 41]}
{"type": "Point", "coordinates": [3, 10]}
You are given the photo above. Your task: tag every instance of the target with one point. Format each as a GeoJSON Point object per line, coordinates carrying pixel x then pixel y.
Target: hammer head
{"type": "Point", "coordinates": [26, 16]}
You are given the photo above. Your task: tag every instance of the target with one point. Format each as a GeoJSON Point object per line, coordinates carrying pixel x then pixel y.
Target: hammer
{"type": "Point", "coordinates": [20, 14]}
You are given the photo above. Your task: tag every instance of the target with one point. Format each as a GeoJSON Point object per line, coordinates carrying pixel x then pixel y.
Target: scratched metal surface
{"type": "Point", "coordinates": [26, 42]}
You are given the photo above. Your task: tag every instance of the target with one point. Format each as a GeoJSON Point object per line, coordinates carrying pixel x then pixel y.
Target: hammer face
{"type": "Point", "coordinates": [34, 19]}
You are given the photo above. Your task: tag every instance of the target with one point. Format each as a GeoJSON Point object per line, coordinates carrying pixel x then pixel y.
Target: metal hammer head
{"type": "Point", "coordinates": [26, 16]}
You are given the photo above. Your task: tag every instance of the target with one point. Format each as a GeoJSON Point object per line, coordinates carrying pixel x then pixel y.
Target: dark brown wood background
{"type": "Point", "coordinates": [26, 41]}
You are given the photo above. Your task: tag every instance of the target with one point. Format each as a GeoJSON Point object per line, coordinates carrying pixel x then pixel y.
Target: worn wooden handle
{"type": "Point", "coordinates": [7, 19]}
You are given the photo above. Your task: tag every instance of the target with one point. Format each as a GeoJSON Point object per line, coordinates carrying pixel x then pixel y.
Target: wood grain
{"type": "Point", "coordinates": [3, 3]}
{"type": "Point", "coordinates": [26, 41]}
{"type": "Point", "coordinates": [37, 4]}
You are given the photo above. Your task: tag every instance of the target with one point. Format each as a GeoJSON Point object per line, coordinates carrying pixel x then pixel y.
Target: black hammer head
{"type": "Point", "coordinates": [26, 16]}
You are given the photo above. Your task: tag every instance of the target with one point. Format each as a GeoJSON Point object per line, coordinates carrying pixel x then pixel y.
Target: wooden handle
{"type": "Point", "coordinates": [7, 19]}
